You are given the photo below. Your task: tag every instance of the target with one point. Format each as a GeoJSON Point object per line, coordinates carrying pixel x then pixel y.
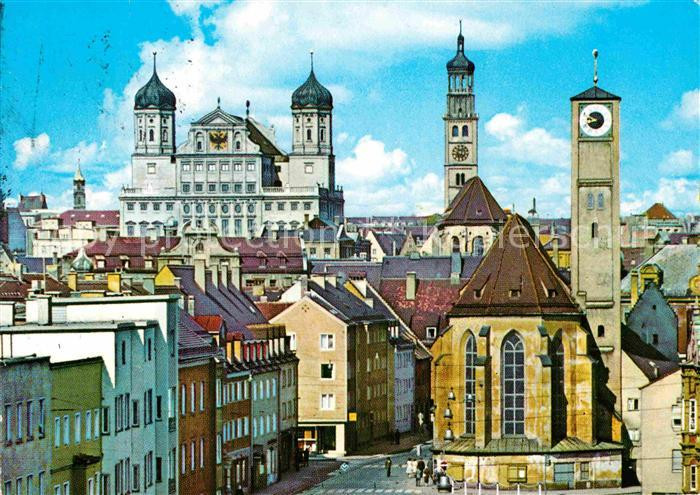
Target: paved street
{"type": "Point", "coordinates": [368, 475]}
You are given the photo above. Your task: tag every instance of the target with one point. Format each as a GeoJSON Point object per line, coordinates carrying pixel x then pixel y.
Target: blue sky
{"type": "Point", "coordinates": [69, 72]}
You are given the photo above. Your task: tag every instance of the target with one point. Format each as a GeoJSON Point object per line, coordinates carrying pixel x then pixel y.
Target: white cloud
{"type": "Point", "coordinates": [30, 150]}
{"type": "Point", "coordinates": [421, 195]}
{"type": "Point", "coordinates": [687, 112]}
{"type": "Point", "coordinates": [370, 162]}
{"type": "Point", "coordinates": [678, 194]}
{"type": "Point", "coordinates": [679, 163]}
{"type": "Point", "coordinates": [537, 146]}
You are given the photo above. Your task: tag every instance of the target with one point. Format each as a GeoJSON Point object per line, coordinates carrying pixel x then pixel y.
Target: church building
{"type": "Point", "coordinates": [229, 176]}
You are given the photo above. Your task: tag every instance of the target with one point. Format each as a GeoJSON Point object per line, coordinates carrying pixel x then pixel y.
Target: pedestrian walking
{"type": "Point", "coordinates": [387, 465]}
{"type": "Point", "coordinates": [426, 475]}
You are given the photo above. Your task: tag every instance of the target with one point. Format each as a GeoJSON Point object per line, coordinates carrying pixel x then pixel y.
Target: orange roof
{"type": "Point", "coordinates": [210, 323]}
{"type": "Point", "coordinates": [659, 212]}
{"type": "Point", "coordinates": [271, 309]}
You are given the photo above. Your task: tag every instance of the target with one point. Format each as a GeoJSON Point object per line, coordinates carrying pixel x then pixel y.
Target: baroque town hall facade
{"type": "Point", "coordinates": [229, 176]}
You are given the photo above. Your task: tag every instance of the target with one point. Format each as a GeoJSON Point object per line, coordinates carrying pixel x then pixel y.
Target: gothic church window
{"type": "Point", "coordinates": [513, 386]}
{"type": "Point", "coordinates": [470, 385]}
{"type": "Point", "coordinates": [478, 246]}
{"type": "Point", "coordinates": [455, 131]}
{"type": "Point", "coordinates": [589, 201]}
{"type": "Point", "coordinates": [455, 244]}
{"type": "Point", "coordinates": [594, 230]}
{"type": "Point", "coordinates": [600, 201]}
{"type": "Point", "coordinates": [558, 390]}
{"type": "Point", "coordinates": [465, 131]}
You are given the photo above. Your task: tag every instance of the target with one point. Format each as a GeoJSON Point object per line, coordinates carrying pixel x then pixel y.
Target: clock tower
{"type": "Point", "coordinates": [595, 220]}
{"type": "Point", "coordinates": [461, 122]}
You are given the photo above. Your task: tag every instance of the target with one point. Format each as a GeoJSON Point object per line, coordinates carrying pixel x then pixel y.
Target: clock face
{"type": "Point", "coordinates": [460, 152]}
{"type": "Point", "coordinates": [595, 120]}
{"type": "Point", "coordinates": [218, 139]}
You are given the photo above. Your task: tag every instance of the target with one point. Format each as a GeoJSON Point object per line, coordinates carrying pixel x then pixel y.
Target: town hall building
{"type": "Point", "coordinates": [229, 176]}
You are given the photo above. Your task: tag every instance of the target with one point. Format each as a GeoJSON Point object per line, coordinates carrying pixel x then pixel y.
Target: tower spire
{"type": "Point", "coordinates": [460, 39]}
{"type": "Point", "coordinates": [154, 62]}
{"type": "Point", "coordinates": [595, 67]}
{"type": "Point", "coordinates": [311, 53]}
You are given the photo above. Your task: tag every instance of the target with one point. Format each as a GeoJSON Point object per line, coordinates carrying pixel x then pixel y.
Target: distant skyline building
{"type": "Point", "coordinates": [229, 176]}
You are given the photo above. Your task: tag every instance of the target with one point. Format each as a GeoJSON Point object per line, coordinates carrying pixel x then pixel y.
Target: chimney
{"type": "Point", "coordinates": [7, 313]}
{"type": "Point", "coordinates": [410, 286]}
{"type": "Point", "coordinates": [555, 250]}
{"type": "Point", "coordinates": [199, 272]}
{"type": "Point", "coordinates": [114, 282]}
{"type": "Point", "coordinates": [72, 281]}
{"type": "Point", "coordinates": [39, 310]}
{"type": "Point", "coordinates": [634, 287]}
{"type": "Point", "coordinates": [455, 268]}
{"type": "Point", "coordinates": [190, 305]}
{"type": "Point", "coordinates": [224, 274]}
{"type": "Point", "coordinates": [304, 284]}
{"type": "Point", "coordinates": [393, 248]}
{"type": "Point", "coordinates": [236, 269]}
{"type": "Point", "coordinates": [215, 276]}
{"type": "Point", "coordinates": [306, 221]}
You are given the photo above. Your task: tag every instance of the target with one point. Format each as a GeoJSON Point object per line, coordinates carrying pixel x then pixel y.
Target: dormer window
{"type": "Point", "coordinates": [551, 293]}
{"type": "Point", "coordinates": [514, 293]}
{"type": "Point", "coordinates": [431, 332]}
{"type": "Point", "coordinates": [477, 293]}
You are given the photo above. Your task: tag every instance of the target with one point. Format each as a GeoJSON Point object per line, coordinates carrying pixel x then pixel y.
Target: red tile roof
{"type": "Point", "coordinates": [109, 218]}
{"type": "Point", "coordinates": [516, 277]}
{"type": "Point", "coordinates": [263, 255]}
{"type": "Point", "coordinates": [473, 204]}
{"type": "Point", "coordinates": [658, 211]}
{"type": "Point", "coordinates": [12, 289]}
{"type": "Point", "coordinates": [134, 249]}
{"type": "Point", "coordinates": [271, 309]}
{"type": "Point", "coordinates": [210, 323]}
{"type": "Point", "coordinates": [434, 298]}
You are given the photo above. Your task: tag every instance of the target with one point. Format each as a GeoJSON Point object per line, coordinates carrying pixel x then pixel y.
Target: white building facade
{"type": "Point", "coordinates": [138, 423]}
{"type": "Point", "coordinates": [229, 175]}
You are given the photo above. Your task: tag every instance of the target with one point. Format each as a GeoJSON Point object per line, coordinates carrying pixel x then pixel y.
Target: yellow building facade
{"type": "Point", "coordinates": [517, 388]}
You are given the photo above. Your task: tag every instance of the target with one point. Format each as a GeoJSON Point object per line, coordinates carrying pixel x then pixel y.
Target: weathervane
{"type": "Point", "coordinates": [595, 67]}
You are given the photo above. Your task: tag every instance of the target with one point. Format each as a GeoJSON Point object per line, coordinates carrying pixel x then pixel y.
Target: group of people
{"type": "Point", "coordinates": [419, 469]}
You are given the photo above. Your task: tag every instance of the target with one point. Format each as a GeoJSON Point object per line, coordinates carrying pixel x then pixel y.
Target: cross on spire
{"type": "Point", "coordinates": [595, 67]}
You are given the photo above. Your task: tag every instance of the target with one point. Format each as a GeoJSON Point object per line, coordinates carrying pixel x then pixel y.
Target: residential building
{"type": "Point", "coordinates": [346, 366]}
{"type": "Point", "coordinates": [690, 383]}
{"type": "Point", "coordinates": [389, 244]}
{"type": "Point", "coordinates": [661, 459]}
{"type": "Point", "coordinates": [652, 318]}
{"type": "Point", "coordinates": [76, 435]}
{"type": "Point", "coordinates": [505, 410]}
{"type": "Point", "coordinates": [139, 374]}
{"type": "Point", "coordinates": [235, 437]}
{"type": "Point", "coordinates": [229, 176]}
{"type": "Point", "coordinates": [67, 232]}
{"type": "Point", "coordinates": [197, 439]}
{"type": "Point", "coordinates": [25, 398]}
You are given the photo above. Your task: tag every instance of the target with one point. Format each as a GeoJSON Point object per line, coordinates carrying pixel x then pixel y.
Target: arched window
{"type": "Point", "coordinates": [589, 201]}
{"type": "Point", "coordinates": [151, 136]}
{"type": "Point", "coordinates": [594, 230]}
{"type": "Point", "coordinates": [478, 246]}
{"type": "Point", "coordinates": [308, 134]}
{"type": "Point", "coordinates": [601, 331]}
{"type": "Point", "coordinates": [465, 131]}
{"type": "Point", "coordinates": [600, 201]}
{"type": "Point", "coordinates": [455, 244]}
{"type": "Point", "coordinates": [199, 139]}
{"type": "Point", "coordinates": [513, 385]}
{"type": "Point", "coordinates": [165, 135]}
{"type": "Point", "coordinates": [470, 385]}
{"type": "Point", "coordinates": [455, 131]}
{"type": "Point", "coordinates": [558, 390]}
{"type": "Point", "coordinates": [323, 134]}
{"type": "Point", "coordinates": [140, 134]}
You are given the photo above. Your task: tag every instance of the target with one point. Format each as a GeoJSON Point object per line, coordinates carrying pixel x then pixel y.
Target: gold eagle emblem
{"type": "Point", "coordinates": [218, 139]}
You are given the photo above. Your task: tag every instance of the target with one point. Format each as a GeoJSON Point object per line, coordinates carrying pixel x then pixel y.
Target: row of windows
{"type": "Point", "coordinates": [32, 486]}
{"type": "Point", "coordinates": [155, 206]}
{"type": "Point", "coordinates": [236, 428]}
{"type": "Point", "coordinates": [404, 385]}
{"type": "Point", "coordinates": [235, 391]}
{"type": "Point", "coordinates": [288, 409]}
{"type": "Point", "coordinates": [309, 135]}
{"type": "Point", "coordinates": [224, 166]}
{"type": "Point", "coordinates": [250, 188]}
{"type": "Point", "coordinates": [376, 390]}
{"type": "Point", "coordinates": [152, 135]}
{"type": "Point", "coordinates": [127, 412]}
{"type": "Point", "coordinates": [264, 425]}
{"type": "Point", "coordinates": [194, 404]}
{"type": "Point", "coordinates": [62, 427]}
{"type": "Point", "coordinates": [590, 203]}
{"type": "Point", "coordinates": [265, 390]}
{"type": "Point", "coordinates": [192, 456]}
{"type": "Point", "coordinates": [127, 475]}
{"type": "Point", "coordinates": [404, 412]}
{"type": "Point", "coordinates": [455, 131]}
{"type": "Point", "coordinates": [24, 419]}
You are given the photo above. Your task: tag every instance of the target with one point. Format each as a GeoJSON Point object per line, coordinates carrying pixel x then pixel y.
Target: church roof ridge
{"type": "Point", "coordinates": [473, 204]}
